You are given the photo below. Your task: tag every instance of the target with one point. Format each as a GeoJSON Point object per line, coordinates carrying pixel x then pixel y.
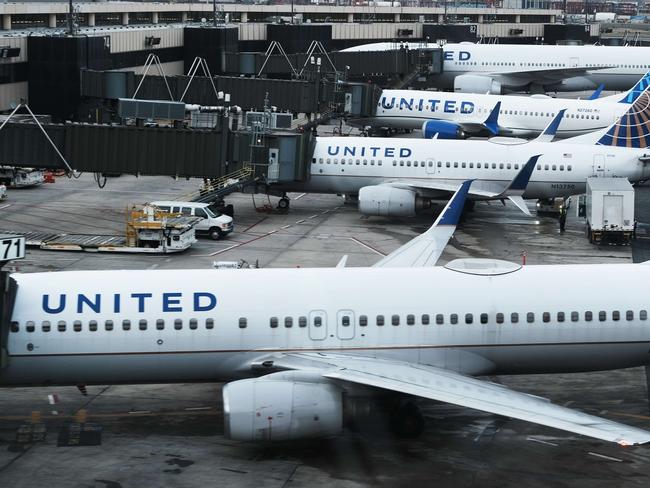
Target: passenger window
{"type": "Point", "coordinates": [176, 210]}
{"type": "Point", "coordinates": [178, 324]}
{"type": "Point", "coordinates": [318, 321]}
{"type": "Point", "coordinates": [602, 315]}
{"type": "Point", "coordinates": [302, 321]}
{"type": "Point", "coordinates": [160, 324]}
{"type": "Point", "coordinates": [274, 322]}
{"type": "Point", "coordinates": [186, 211]}
{"type": "Point", "coordinates": [380, 320]}
{"type": "Point", "coordinates": [345, 321]}
{"type": "Point", "coordinates": [484, 318]}
{"type": "Point", "coordinates": [589, 316]}
{"type": "Point", "coordinates": [530, 317]}
{"type": "Point", "coordinates": [199, 212]}
{"type": "Point", "coordinates": [560, 316]}
{"type": "Point", "coordinates": [363, 320]}
{"type": "Point", "coordinates": [453, 318]}
{"type": "Point", "coordinates": [126, 324]}
{"type": "Point", "coordinates": [394, 320]}
{"type": "Point", "coordinates": [30, 326]}
{"type": "Point", "coordinates": [440, 319]}
{"type": "Point", "coordinates": [546, 317]}
{"type": "Point", "coordinates": [499, 318]}
{"type": "Point", "coordinates": [61, 325]}
{"type": "Point", "coordinates": [288, 322]}
{"type": "Point", "coordinates": [14, 327]}
{"type": "Point", "coordinates": [410, 319]}
{"type": "Point", "coordinates": [616, 315]}
{"type": "Point", "coordinates": [209, 323]}
{"type": "Point", "coordinates": [92, 326]}
{"type": "Point", "coordinates": [76, 325]}
{"type": "Point", "coordinates": [45, 326]}
{"type": "Point", "coordinates": [425, 319]}
{"type": "Point", "coordinates": [469, 318]}
{"type": "Point", "coordinates": [194, 324]}
{"type": "Point", "coordinates": [243, 322]}
{"type": "Point", "coordinates": [142, 324]}
{"type": "Point", "coordinates": [629, 315]}
{"type": "Point", "coordinates": [108, 325]}
{"type": "Point", "coordinates": [643, 315]}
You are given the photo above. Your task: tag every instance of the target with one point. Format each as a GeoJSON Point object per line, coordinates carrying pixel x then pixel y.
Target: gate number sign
{"type": "Point", "coordinates": [12, 247]}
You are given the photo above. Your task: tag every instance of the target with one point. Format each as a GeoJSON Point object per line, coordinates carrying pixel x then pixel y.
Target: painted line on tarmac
{"type": "Point", "coordinates": [607, 458]}
{"type": "Point", "coordinates": [540, 441]}
{"type": "Point", "coordinates": [367, 246]}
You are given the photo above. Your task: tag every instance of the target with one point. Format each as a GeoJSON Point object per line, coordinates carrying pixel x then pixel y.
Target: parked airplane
{"type": "Point", "coordinates": [294, 363]}
{"type": "Point", "coordinates": [499, 68]}
{"type": "Point", "coordinates": [397, 177]}
{"type": "Point", "coordinates": [456, 115]}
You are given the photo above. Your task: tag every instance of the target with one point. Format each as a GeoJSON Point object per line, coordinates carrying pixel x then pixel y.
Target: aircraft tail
{"type": "Point", "coordinates": [632, 129]}
{"type": "Point", "coordinates": [637, 90]}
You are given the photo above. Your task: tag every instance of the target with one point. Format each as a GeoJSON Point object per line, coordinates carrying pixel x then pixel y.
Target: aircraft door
{"type": "Point", "coordinates": [317, 325]}
{"type": "Point", "coordinates": [345, 324]}
{"type": "Point", "coordinates": [574, 62]}
{"type": "Point", "coordinates": [599, 165]}
{"type": "Point", "coordinates": [431, 166]}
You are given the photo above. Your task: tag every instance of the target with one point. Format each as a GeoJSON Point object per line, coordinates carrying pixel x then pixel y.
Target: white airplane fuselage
{"type": "Point", "coordinates": [86, 327]}
{"type": "Point", "coordinates": [346, 164]}
{"type": "Point", "coordinates": [625, 64]}
{"type": "Point", "coordinates": [519, 116]}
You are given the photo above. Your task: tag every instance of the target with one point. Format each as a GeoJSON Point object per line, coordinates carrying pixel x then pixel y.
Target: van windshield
{"type": "Point", "coordinates": [212, 212]}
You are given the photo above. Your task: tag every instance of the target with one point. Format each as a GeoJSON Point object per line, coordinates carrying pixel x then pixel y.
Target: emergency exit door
{"type": "Point", "coordinates": [345, 324]}
{"type": "Point", "coordinates": [317, 325]}
{"type": "Point", "coordinates": [430, 166]}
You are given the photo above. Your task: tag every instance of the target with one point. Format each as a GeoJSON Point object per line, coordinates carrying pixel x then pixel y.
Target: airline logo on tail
{"type": "Point", "coordinates": [637, 90]}
{"type": "Point", "coordinates": [633, 128]}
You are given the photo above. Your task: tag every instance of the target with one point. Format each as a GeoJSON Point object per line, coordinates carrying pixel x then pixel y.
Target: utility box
{"type": "Point", "coordinates": [609, 209]}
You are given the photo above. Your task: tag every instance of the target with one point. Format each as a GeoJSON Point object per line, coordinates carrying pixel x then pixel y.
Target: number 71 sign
{"type": "Point", "coordinates": [12, 247]}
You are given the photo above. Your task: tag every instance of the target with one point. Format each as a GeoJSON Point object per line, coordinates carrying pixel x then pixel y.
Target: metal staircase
{"type": "Point", "coordinates": [218, 188]}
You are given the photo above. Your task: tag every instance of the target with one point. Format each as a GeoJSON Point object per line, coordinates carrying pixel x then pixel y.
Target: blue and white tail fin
{"type": "Point", "coordinates": [632, 129]}
{"type": "Point", "coordinates": [632, 94]}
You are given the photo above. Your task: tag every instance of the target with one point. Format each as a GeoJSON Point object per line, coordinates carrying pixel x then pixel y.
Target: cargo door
{"type": "Point", "coordinates": [613, 211]}
{"type": "Point", "coordinates": [317, 325]}
{"type": "Point", "coordinates": [345, 324]}
{"type": "Point", "coordinates": [599, 165]}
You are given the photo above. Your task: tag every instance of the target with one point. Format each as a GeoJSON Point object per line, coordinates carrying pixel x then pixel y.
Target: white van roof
{"type": "Point", "coordinates": [173, 203]}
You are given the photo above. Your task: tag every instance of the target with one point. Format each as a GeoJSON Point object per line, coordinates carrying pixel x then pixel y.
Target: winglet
{"type": "Point", "coordinates": [597, 92]}
{"type": "Point", "coordinates": [491, 123]}
{"type": "Point", "coordinates": [450, 215]}
{"type": "Point", "coordinates": [548, 134]}
{"type": "Point", "coordinates": [425, 249]}
{"type": "Point", "coordinates": [520, 182]}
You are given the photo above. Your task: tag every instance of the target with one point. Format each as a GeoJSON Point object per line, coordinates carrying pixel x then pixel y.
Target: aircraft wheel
{"type": "Point", "coordinates": [283, 204]}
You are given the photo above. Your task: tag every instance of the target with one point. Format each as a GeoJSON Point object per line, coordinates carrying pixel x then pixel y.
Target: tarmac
{"type": "Point", "coordinates": [172, 435]}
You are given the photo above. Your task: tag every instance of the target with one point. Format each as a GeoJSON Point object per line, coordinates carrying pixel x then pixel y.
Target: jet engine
{"type": "Point", "coordinates": [477, 84]}
{"type": "Point", "coordinates": [444, 129]}
{"type": "Point", "coordinates": [388, 201]}
{"type": "Point", "coordinates": [280, 408]}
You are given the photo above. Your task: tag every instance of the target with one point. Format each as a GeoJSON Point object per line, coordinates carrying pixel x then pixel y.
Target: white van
{"type": "Point", "coordinates": [215, 224]}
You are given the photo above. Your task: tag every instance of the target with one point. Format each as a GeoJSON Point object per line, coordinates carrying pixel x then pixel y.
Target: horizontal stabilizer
{"type": "Point", "coordinates": [520, 203]}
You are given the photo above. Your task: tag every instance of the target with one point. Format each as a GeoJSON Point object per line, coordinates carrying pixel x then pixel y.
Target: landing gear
{"type": "Point", "coordinates": [283, 204]}
{"type": "Point", "coordinates": [406, 421]}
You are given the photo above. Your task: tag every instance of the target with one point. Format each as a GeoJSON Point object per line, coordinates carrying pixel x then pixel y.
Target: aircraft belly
{"type": "Point", "coordinates": [119, 368]}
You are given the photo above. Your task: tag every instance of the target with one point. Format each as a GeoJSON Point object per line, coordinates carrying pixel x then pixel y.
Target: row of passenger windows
{"type": "Point", "coordinates": [350, 161]}
{"type": "Point", "coordinates": [448, 164]}
{"type": "Point", "coordinates": [94, 325]}
{"type": "Point", "coordinates": [520, 112]}
{"type": "Point", "coordinates": [549, 65]}
{"type": "Point", "coordinates": [469, 318]}
{"type": "Point", "coordinates": [345, 321]}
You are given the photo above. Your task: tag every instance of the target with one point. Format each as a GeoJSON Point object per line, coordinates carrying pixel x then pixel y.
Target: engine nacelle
{"type": "Point", "coordinates": [477, 84]}
{"type": "Point", "coordinates": [444, 129]}
{"type": "Point", "coordinates": [387, 201]}
{"type": "Point", "coordinates": [279, 409]}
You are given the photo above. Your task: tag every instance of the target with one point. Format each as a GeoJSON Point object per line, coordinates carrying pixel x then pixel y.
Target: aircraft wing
{"type": "Point", "coordinates": [545, 75]}
{"type": "Point", "coordinates": [455, 388]}
{"type": "Point", "coordinates": [426, 248]}
{"type": "Point", "coordinates": [483, 190]}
